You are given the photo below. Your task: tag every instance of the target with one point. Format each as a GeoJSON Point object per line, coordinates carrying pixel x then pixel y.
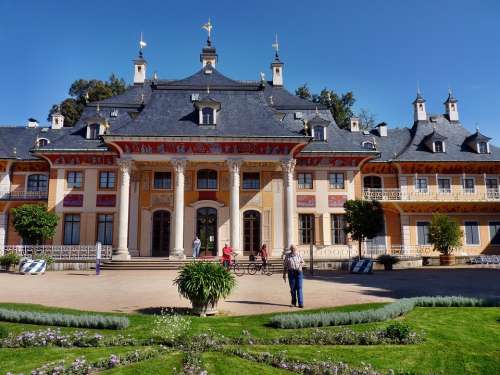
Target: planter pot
{"type": "Point", "coordinates": [388, 267]}
{"type": "Point", "coordinates": [447, 260]}
{"type": "Point", "coordinates": [204, 310]}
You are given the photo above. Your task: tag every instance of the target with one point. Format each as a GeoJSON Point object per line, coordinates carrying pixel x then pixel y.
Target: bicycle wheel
{"type": "Point", "coordinates": [238, 271]}
{"type": "Point", "coordinates": [252, 269]}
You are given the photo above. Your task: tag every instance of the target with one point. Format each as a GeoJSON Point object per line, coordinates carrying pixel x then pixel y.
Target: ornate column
{"type": "Point", "coordinates": [121, 253]}
{"type": "Point", "coordinates": [234, 172]}
{"type": "Point", "coordinates": [288, 167]}
{"type": "Point", "coordinates": [179, 167]}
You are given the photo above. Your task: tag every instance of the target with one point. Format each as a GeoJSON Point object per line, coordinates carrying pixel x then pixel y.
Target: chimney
{"type": "Point", "coordinates": [354, 124]}
{"type": "Point", "coordinates": [32, 123]}
{"type": "Point", "coordinates": [382, 129]}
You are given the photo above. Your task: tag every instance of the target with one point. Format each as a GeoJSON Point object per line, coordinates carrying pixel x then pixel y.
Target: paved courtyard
{"type": "Point", "coordinates": [133, 291]}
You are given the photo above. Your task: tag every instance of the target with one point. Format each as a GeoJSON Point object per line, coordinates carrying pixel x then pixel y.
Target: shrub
{"type": "Point", "coordinates": [387, 259]}
{"type": "Point", "coordinates": [47, 258]}
{"type": "Point", "coordinates": [64, 320]}
{"type": "Point", "coordinates": [34, 223]}
{"type": "Point", "coordinates": [398, 331]}
{"type": "Point", "coordinates": [9, 259]}
{"type": "Point", "coordinates": [204, 283]}
{"type": "Point", "coordinates": [390, 311]}
{"type": "Point", "coordinates": [444, 234]}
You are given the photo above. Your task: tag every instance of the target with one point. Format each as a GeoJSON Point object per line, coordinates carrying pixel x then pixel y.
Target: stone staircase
{"type": "Point", "coordinates": [157, 263]}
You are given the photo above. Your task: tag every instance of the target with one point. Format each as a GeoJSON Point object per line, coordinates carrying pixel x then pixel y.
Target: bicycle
{"type": "Point", "coordinates": [254, 267]}
{"type": "Point", "coordinates": [235, 267]}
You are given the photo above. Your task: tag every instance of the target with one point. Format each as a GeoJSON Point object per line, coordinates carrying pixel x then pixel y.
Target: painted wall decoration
{"type": "Point", "coordinates": [30, 167]}
{"type": "Point", "coordinates": [105, 200]}
{"type": "Point", "coordinates": [329, 161]}
{"type": "Point", "coordinates": [82, 159]}
{"type": "Point", "coordinates": [73, 200]}
{"type": "Point", "coordinates": [306, 201]}
{"type": "Point", "coordinates": [188, 148]}
{"type": "Point", "coordinates": [336, 200]}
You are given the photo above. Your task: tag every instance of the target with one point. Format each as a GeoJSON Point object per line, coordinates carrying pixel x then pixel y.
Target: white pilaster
{"type": "Point", "coordinates": [179, 167]}
{"type": "Point", "coordinates": [122, 253]}
{"type": "Point", "coordinates": [405, 234]}
{"type": "Point", "coordinates": [234, 171]}
{"type": "Point", "coordinates": [288, 167]}
{"type": "Point", "coordinates": [3, 231]}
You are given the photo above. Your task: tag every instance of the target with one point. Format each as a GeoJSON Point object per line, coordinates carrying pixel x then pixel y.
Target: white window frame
{"type": "Point", "coordinates": [313, 133]}
{"type": "Point", "coordinates": [416, 232]}
{"type": "Point", "coordinates": [417, 189]}
{"type": "Point", "coordinates": [434, 147]}
{"type": "Point", "coordinates": [478, 232]}
{"type": "Point", "coordinates": [366, 142]}
{"type": "Point", "coordinates": [479, 147]}
{"type": "Point", "coordinates": [440, 191]}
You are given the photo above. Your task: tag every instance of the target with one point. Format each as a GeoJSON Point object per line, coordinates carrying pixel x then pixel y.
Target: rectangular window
{"type": "Point", "coordinates": [38, 182]}
{"type": "Point", "coordinates": [468, 185]}
{"type": "Point", "coordinates": [71, 229]}
{"type": "Point", "coordinates": [421, 184]}
{"type": "Point", "coordinates": [74, 180]}
{"type": "Point", "coordinates": [492, 183]}
{"type": "Point", "coordinates": [251, 181]}
{"type": "Point", "coordinates": [494, 232]}
{"type": "Point", "coordinates": [162, 180]}
{"type": "Point", "coordinates": [105, 229]}
{"type": "Point", "coordinates": [107, 180]}
{"type": "Point", "coordinates": [305, 180]}
{"type": "Point", "coordinates": [471, 232]}
{"type": "Point", "coordinates": [338, 234]}
{"type": "Point", "coordinates": [306, 228]}
{"type": "Point", "coordinates": [423, 233]}
{"type": "Point", "coordinates": [336, 180]}
{"type": "Point", "coordinates": [444, 185]}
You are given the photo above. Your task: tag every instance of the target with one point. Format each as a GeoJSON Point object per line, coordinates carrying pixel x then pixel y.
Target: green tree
{"type": "Point", "coordinates": [340, 105]}
{"type": "Point", "coordinates": [34, 223]}
{"type": "Point", "coordinates": [364, 220]}
{"type": "Point", "coordinates": [444, 234]}
{"type": "Point", "coordinates": [83, 91]}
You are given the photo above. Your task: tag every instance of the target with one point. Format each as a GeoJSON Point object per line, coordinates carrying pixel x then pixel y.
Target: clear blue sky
{"type": "Point", "coordinates": [377, 49]}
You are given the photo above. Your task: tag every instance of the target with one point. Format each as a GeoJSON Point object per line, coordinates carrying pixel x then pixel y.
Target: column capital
{"type": "Point", "coordinates": [125, 165]}
{"type": "Point", "coordinates": [234, 165]}
{"type": "Point", "coordinates": [288, 165]}
{"type": "Point", "coordinates": [179, 164]}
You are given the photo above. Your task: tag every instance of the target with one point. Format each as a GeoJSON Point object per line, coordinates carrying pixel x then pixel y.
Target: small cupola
{"type": "Point", "coordinates": [478, 142]}
{"type": "Point", "coordinates": [32, 123]}
{"type": "Point", "coordinates": [97, 125]}
{"type": "Point", "coordinates": [208, 54]}
{"type": "Point", "coordinates": [435, 142]}
{"type": "Point", "coordinates": [57, 119]}
{"type": "Point", "coordinates": [382, 129]}
{"type": "Point", "coordinates": [419, 112]}
{"type": "Point", "coordinates": [277, 65]}
{"type": "Point", "coordinates": [140, 64]}
{"type": "Point", "coordinates": [207, 110]}
{"type": "Point", "coordinates": [354, 124]}
{"type": "Point", "coordinates": [451, 107]}
{"type": "Point", "coordinates": [317, 126]}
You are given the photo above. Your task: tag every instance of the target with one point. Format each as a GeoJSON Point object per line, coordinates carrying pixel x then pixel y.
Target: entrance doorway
{"type": "Point", "coordinates": [251, 232]}
{"type": "Point", "coordinates": [206, 229]}
{"type": "Point", "coordinates": [161, 234]}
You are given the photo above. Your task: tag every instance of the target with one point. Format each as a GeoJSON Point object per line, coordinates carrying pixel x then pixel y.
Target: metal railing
{"type": "Point", "coordinates": [467, 195]}
{"type": "Point", "coordinates": [23, 195]}
{"type": "Point", "coordinates": [60, 252]}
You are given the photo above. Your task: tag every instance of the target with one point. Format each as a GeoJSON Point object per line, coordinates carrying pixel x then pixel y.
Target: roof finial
{"type": "Point", "coordinates": [142, 44]}
{"type": "Point", "coordinates": [317, 112]}
{"type": "Point", "coordinates": [155, 77]}
{"type": "Point", "coordinates": [208, 89]}
{"type": "Point", "coordinates": [276, 45]}
{"type": "Point", "coordinates": [418, 88]}
{"type": "Point", "coordinates": [208, 27]}
{"type": "Point", "coordinates": [477, 127]}
{"type": "Point", "coordinates": [98, 108]}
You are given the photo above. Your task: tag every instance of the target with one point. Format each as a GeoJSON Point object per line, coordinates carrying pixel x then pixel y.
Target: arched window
{"type": "Point", "coordinates": [372, 182]}
{"type": "Point", "coordinates": [206, 179]}
{"type": "Point", "coordinates": [207, 114]}
{"type": "Point", "coordinates": [319, 133]}
{"type": "Point", "coordinates": [483, 148]}
{"type": "Point", "coordinates": [368, 145]}
{"type": "Point", "coordinates": [37, 182]}
{"type": "Point", "coordinates": [93, 131]}
{"type": "Point", "coordinates": [42, 142]}
{"type": "Point", "coordinates": [438, 146]}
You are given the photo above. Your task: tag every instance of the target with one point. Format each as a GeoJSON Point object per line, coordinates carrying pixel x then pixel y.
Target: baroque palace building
{"type": "Point", "coordinates": [245, 163]}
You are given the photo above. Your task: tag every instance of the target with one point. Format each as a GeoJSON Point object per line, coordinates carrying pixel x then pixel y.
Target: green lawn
{"type": "Point", "coordinates": [457, 341]}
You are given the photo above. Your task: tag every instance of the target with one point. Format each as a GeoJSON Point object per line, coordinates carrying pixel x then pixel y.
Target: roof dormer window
{"type": "Point", "coordinates": [439, 146]}
{"type": "Point", "coordinates": [93, 131]}
{"type": "Point", "coordinates": [483, 147]}
{"type": "Point", "coordinates": [42, 142]}
{"type": "Point", "coordinates": [367, 145]}
{"type": "Point", "coordinates": [319, 133]}
{"type": "Point", "coordinates": [207, 116]}
{"type": "Point", "coordinates": [207, 110]}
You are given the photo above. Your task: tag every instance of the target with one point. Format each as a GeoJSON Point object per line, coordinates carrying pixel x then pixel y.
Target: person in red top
{"type": "Point", "coordinates": [263, 256]}
{"type": "Point", "coordinates": [227, 253]}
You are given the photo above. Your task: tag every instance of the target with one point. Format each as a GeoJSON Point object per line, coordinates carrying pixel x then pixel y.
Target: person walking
{"type": "Point", "coordinates": [292, 266]}
{"type": "Point", "coordinates": [263, 256]}
{"type": "Point", "coordinates": [196, 247]}
{"type": "Point", "coordinates": [227, 253]}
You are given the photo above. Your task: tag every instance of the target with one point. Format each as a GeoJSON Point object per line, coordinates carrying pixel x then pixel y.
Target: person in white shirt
{"type": "Point", "coordinates": [292, 266]}
{"type": "Point", "coordinates": [196, 247]}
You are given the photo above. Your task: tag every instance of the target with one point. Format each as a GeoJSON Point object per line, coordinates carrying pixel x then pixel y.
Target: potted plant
{"type": "Point", "coordinates": [204, 283]}
{"type": "Point", "coordinates": [388, 261]}
{"type": "Point", "coordinates": [9, 261]}
{"type": "Point", "coordinates": [445, 235]}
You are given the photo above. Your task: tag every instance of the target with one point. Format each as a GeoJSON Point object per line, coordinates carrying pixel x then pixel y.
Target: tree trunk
{"type": "Point", "coordinates": [359, 248]}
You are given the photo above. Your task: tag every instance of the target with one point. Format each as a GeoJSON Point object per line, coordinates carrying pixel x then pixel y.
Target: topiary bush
{"type": "Point", "coordinates": [64, 320]}
{"type": "Point", "coordinates": [389, 311]}
{"type": "Point", "coordinates": [398, 331]}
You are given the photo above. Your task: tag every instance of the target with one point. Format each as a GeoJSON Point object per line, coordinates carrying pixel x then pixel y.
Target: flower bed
{"type": "Point", "coordinates": [390, 311]}
{"type": "Point", "coordinates": [64, 320]}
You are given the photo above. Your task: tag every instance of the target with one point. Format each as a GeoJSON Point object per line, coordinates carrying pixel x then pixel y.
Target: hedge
{"type": "Point", "coordinates": [389, 311]}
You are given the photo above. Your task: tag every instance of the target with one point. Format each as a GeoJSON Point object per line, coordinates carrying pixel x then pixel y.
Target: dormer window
{"type": "Point", "coordinates": [93, 131]}
{"type": "Point", "coordinates": [368, 145]}
{"type": "Point", "coordinates": [438, 146]}
{"type": "Point", "coordinates": [207, 116]}
{"type": "Point", "coordinates": [319, 133]}
{"type": "Point", "coordinates": [483, 147]}
{"type": "Point", "coordinates": [42, 142]}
